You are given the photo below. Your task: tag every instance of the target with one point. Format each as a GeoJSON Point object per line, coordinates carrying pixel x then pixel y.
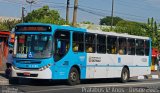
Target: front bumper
{"type": "Point", "coordinates": [34, 74]}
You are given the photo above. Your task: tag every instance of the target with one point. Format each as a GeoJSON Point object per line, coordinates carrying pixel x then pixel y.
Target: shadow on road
{"type": "Point", "coordinates": [34, 82]}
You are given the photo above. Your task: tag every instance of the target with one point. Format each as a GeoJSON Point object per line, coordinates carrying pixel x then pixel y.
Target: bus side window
{"type": "Point", "coordinates": [101, 44]}
{"type": "Point", "coordinates": [111, 44]}
{"type": "Point", "coordinates": [147, 45]}
{"type": "Point", "coordinates": [122, 46]}
{"type": "Point", "coordinates": [139, 47]}
{"type": "Point", "coordinates": [90, 43]}
{"type": "Point", "coordinates": [78, 42]}
{"type": "Point", "coordinates": [131, 46]}
{"type": "Point", "coordinates": [75, 47]}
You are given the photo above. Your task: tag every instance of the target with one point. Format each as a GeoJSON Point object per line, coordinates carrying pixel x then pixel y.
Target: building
{"type": "Point", "coordinates": [4, 35]}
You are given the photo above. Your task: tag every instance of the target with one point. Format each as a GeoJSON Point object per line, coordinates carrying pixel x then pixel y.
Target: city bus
{"type": "Point", "coordinates": [54, 52]}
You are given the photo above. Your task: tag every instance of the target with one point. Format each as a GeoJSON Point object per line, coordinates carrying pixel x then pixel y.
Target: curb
{"type": "Point", "coordinates": [4, 81]}
{"type": "Point", "coordinates": [155, 77]}
{"type": "Point", "coordinates": [148, 77]}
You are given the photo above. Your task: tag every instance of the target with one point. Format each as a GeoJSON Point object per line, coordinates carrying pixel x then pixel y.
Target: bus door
{"type": "Point", "coordinates": [61, 53]}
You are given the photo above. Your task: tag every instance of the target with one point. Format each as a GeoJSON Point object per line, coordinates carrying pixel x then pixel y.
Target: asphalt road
{"type": "Point", "coordinates": [87, 86]}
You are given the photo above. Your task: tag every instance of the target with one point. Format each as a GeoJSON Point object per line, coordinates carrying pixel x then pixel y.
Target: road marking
{"type": "Point", "coordinates": [75, 87]}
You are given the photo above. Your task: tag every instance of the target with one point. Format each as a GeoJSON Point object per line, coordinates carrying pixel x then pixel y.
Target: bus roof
{"type": "Point", "coordinates": [117, 34]}
{"type": "Point", "coordinates": [62, 27]}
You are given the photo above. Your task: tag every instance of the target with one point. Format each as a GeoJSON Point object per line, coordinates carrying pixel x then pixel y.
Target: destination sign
{"type": "Point", "coordinates": [33, 28]}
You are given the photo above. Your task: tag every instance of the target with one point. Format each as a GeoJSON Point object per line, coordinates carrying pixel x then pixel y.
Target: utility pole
{"type": "Point", "coordinates": [30, 2]}
{"type": "Point", "coordinates": [75, 12]}
{"type": "Point", "coordinates": [67, 11]}
{"type": "Point", "coordinates": [23, 14]}
{"type": "Point", "coordinates": [112, 14]}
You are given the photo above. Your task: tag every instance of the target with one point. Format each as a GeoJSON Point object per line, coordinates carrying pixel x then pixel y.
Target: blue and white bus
{"type": "Point", "coordinates": [46, 51]}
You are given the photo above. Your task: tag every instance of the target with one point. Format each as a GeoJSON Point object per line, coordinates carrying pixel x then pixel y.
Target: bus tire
{"type": "Point", "coordinates": [124, 75]}
{"type": "Point", "coordinates": [74, 77]}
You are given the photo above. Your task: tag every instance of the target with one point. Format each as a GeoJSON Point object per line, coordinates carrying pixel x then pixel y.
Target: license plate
{"type": "Point", "coordinates": [26, 74]}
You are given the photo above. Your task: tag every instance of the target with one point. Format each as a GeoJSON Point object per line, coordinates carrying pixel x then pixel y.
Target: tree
{"type": "Point", "coordinates": [133, 28]}
{"type": "Point", "coordinates": [45, 15]}
{"type": "Point", "coordinates": [86, 22]}
{"type": "Point", "coordinates": [8, 24]}
{"type": "Point", "coordinates": [107, 20]}
{"type": "Point", "coordinates": [3, 27]}
{"type": "Point", "coordinates": [152, 31]}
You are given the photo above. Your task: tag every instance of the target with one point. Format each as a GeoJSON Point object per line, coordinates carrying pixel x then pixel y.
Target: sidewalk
{"type": "Point", "coordinates": [153, 75]}
{"type": "Point", "coordinates": [3, 79]}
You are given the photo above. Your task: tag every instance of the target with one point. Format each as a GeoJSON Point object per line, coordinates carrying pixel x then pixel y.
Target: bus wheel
{"type": "Point", "coordinates": [73, 78]}
{"type": "Point", "coordinates": [124, 75]}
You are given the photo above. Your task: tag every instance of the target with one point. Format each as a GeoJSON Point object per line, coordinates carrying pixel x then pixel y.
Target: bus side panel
{"type": "Point", "coordinates": [80, 61]}
{"type": "Point", "coordinates": [114, 72]}
{"type": "Point", "coordinates": [62, 68]}
{"type": "Point", "coordinates": [138, 71]}
{"type": "Point", "coordinates": [111, 65]}
{"type": "Point", "coordinates": [141, 61]}
{"type": "Point", "coordinates": [102, 66]}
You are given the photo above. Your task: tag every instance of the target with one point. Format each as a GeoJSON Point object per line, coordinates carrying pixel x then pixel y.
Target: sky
{"type": "Point", "coordinates": [89, 10]}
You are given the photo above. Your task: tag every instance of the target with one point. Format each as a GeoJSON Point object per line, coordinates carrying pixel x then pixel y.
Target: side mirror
{"type": "Point", "coordinates": [58, 44]}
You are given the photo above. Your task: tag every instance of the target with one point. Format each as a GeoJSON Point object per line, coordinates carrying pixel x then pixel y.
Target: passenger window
{"type": "Point", "coordinates": [101, 44]}
{"type": "Point", "coordinates": [78, 42]}
{"type": "Point", "coordinates": [61, 43]}
{"type": "Point", "coordinates": [122, 46]}
{"type": "Point", "coordinates": [112, 44]}
{"type": "Point", "coordinates": [90, 43]}
{"type": "Point", "coordinates": [140, 47]}
{"type": "Point", "coordinates": [131, 46]}
{"type": "Point", "coordinates": [146, 46]}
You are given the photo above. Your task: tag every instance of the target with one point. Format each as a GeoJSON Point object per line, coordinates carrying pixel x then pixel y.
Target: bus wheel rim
{"type": "Point", "coordinates": [125, 75]}
{"type": "Point", "coordinates": [73, 76]}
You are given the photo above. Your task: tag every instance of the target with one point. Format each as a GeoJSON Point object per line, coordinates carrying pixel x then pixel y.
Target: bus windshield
{"type": "Point", "coordinates": [33, 46]}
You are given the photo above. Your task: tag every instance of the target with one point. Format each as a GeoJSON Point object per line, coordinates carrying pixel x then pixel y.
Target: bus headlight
{"type": "Point", "coordinates": [15, 67]}
{"type": "Point", "coordinates": [44, 67]}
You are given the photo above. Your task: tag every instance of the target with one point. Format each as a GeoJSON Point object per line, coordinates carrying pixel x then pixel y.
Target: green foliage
{"type": "Point", "coordinates": [45, 15]}
{"type": "Point", "coordinates": [86, 22]}
{"type": "Point", "coordinates": [133, 28]}
{"type": "Point", "coordinates": [141, 29]}
{"type": "Point", "coordinates": [8, 24]}
{"type": "Point", "coordinates": [105, 29]}
{"type": "Point", "coordinates": [3, 27]}
{"type": "Point", "coordinates": [107, 20]}
{"type": "Point", "coordinates": [153, 32]}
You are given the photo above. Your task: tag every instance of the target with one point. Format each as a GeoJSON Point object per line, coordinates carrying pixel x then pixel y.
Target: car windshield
{"type": "Point", "coordinates": [33, 46]}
